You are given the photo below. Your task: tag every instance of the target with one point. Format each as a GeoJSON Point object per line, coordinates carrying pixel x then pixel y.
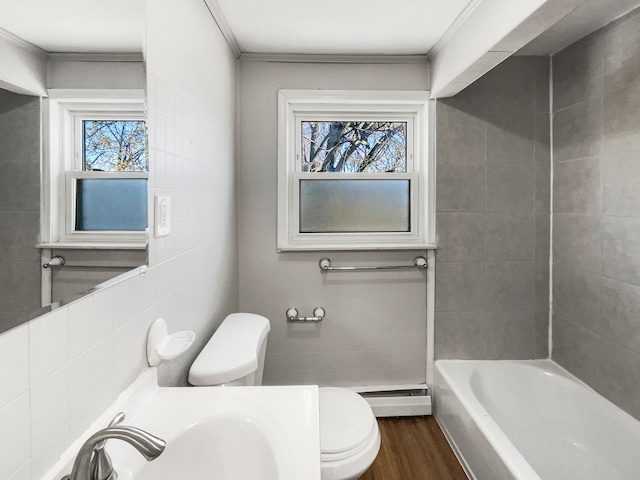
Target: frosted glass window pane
{"type": "Point", "coordinates": [111, 204]}
{"type": "Point", "coordinates": [347, 206]}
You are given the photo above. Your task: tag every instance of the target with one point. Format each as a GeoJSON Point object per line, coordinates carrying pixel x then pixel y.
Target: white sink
{"type": "Point", "coordinates": [226, 433]}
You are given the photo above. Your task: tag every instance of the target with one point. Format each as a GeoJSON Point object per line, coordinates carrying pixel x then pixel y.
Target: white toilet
{"type": "Point", "coordinates": [349, 435]}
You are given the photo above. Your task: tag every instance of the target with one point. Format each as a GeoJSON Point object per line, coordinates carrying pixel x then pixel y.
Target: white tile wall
{"type": "Point", "coordinates": [14, 401]}
{"type": "Point", "coordinates": [60, 371]}
{"type": "Point", "coordinates": [14, 351]}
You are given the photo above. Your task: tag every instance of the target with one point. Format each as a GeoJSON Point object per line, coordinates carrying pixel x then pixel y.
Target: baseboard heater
{"type": "Point", "coordinates": [397, 400]}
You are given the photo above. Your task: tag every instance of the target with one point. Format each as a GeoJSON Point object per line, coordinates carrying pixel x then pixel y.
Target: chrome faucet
{"type": "Point", "coordinates": [92, 461]}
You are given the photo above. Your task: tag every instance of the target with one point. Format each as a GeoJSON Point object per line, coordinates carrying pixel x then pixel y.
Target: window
{"type": "Point", "coordinates": [98, 165]}
{"type": "Point", "coordinates": [354, 170]}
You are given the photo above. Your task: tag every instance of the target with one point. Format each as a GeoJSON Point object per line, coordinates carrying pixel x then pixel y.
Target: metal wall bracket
{"type": "Point", "coordinates": [57, 261]}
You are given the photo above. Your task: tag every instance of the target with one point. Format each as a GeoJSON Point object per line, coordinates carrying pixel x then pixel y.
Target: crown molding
{"type": "Point", "coordinates": [457, 23]}
{"type": "Point", "coordinates": [333, 58]}
{"type": "Point", "coordinates": [97, 57]}
{"type": "Point", "coordinates": [221, 21]}
{"type": "Point", "coordinates": [21, 43]}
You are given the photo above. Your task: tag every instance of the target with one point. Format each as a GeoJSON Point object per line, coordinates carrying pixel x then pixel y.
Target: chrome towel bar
{"type": "Point", "coordinates": [59, 261]}
{"type": "Point", "coordinates": [418, 262]}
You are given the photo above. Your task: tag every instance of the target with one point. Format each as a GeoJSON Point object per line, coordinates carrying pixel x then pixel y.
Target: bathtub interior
{"type": "Point", "coordinates": [540, 420]}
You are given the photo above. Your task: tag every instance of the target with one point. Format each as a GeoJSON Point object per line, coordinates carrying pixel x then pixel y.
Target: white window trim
{"type": "Point", "coordinates": [295, 105]}
{"type": "Point", "coordinates": [62, 110]}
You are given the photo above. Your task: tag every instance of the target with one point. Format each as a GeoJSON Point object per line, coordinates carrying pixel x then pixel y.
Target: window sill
{"type": "Point", "coordinates": [347, 248]}
{"type": "Point", "coordinates": [93, 246]}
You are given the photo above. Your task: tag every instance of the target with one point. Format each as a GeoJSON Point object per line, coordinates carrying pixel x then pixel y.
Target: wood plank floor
{"type": "Point", "coordinates": [414, 448]}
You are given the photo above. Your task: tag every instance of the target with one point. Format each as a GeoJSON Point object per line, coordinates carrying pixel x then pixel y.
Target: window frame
{"type": "Point", "coordinates": [414, 107]}
{"type": "Point", "coordinates": [64, 112]}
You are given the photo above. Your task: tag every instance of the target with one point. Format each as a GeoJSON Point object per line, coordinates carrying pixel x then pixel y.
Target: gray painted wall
{"type": "Point", "coordinates": [375, 328]}
{"type": "Point", "coordinates": [492, 262]}
{"type": "Point", "coordinates": [66, 71]}
{"type": "Point", "coordinates": [19, 207]}
{"type": "Point", "coordinates": [86, 269]}
{"type": "Point", "coordinates": [596, 228]}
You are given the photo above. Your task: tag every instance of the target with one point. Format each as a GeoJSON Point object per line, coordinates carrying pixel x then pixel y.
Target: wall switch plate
{"type": "Point", "coordinates": [163, 216]}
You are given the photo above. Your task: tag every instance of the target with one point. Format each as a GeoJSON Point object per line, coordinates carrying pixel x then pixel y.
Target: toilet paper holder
{"type": "Point", "coordinates": [294, 316]}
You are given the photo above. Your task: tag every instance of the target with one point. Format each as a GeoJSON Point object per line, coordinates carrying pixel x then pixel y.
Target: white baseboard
{"type": "Point", "coordinates": [409, 406]}
{"type": "Point", "coordinates": [397, 400]}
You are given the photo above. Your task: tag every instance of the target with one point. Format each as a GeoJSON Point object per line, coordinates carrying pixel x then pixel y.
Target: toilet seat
{"type": "Point", "coordinates": [349, 434]}
{"type": "Point", "coordinates": [346, 422]}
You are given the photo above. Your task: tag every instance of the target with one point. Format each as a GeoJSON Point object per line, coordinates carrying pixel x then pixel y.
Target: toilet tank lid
{"type": "Point", "coordinates": [232, 352]}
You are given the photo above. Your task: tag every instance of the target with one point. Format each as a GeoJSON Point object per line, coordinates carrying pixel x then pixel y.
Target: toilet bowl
{"type": "Point", "coordinates": [349, 434]}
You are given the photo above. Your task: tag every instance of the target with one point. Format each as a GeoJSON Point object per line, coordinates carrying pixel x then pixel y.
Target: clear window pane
{"type": "Point", "coordinates": [354, 206]}
{"type": "Point", "coordinates": [362, 146]}
{"type": "Point", "coordinates": [115, 146]}
{"type": "Point", "coordinates": [111, 204]}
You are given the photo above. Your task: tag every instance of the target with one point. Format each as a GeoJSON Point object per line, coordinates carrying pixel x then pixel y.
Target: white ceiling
{"type": "Point", "coordinates": [340, 26]}
{"type": "Point", "coordinates": [382, 27]}
{"type": "Point", "coordinates": [374, 27]}
{"type": "Point", "coordinates": [113, 26]}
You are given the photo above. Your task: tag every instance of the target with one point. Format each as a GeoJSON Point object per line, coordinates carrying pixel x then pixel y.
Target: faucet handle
{"type": "Point", "coordinates": [117, 419]}
{"type": "Point", "coordinates": [101, 466]}
{"type": "Point", "coordinates": [87, 464]}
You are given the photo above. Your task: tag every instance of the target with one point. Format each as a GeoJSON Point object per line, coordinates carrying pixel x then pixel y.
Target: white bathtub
{"type": "Point", "coordinates": [529, 420]}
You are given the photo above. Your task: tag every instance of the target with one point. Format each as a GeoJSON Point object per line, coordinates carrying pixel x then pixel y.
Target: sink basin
{"type": "Point", "coordinates": [226, 433]}
{"type": "Point", "coordinates": [230, 447]}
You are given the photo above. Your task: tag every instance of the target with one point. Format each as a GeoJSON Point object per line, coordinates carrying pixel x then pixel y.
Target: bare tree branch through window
{"type": "Point", "coordinates": [346, 146]}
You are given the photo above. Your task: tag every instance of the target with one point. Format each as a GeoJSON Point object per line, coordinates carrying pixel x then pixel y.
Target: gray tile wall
{"type": "Point", "coordinates": [492, 262]}
{"type": "Point", "coordinates": [596, 227]}
{"type": "Point", "coordinates": [19, 207]}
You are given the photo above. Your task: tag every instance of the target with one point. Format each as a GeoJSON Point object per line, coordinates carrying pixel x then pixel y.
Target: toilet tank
{"type": "Point", "coordinates": [234, 355]}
